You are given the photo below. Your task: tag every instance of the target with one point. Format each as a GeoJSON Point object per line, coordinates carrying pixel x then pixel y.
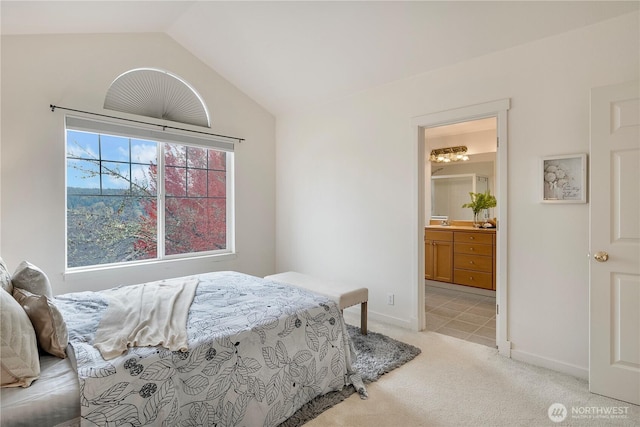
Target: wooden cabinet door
{"type": "Point", "coordinates": [442, 261]}
{"type": "Point", "coordinates": [474, 249]}
{"type": "Point", "coordinates": [476, 279]}
{"type": "Point", "coordinates": [438, 255]}
{"type": "Point", "coordinates": [473, 262]}
{"type": "Point", "coordinates": [428, 259]}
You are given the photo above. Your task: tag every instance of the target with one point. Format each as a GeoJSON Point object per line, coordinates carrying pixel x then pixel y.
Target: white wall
{"type": "Point", "coordinates": [346, 207]}
{"type": "Point", "coordinates": [75, 72]}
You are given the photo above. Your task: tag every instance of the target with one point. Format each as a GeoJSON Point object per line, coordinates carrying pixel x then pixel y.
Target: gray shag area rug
{"type": "Point", "coordinates": [377, 354]}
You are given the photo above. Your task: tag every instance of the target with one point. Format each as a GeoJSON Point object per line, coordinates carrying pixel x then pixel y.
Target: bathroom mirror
{"type": "Point", "coordinates": [451, 185]}
{"type": "Point", "coordinates": [450, 192]}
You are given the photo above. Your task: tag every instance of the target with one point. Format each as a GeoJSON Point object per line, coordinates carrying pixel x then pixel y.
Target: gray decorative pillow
{"type": "Point", "coordinates": [5, 277]}
{"type": "Point", "coordinates": [18, 347]}
{"type": "Point", "coordinates": [47, 321]}
{"type": "Point", "coordinates": [30, 278]}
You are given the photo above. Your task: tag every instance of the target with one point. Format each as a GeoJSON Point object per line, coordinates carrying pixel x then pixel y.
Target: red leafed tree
{"type": "Point", "coordinates": [195, 202]}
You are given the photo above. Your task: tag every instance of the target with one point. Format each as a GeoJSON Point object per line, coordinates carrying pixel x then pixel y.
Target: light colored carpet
{"type": "Point", "coordinates": [459, 383]}
{"type": "Point", "coordinates": [376, 354]}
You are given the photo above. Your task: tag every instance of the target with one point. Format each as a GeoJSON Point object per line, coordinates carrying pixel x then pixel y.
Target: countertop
{"type": "Point", "coordinates": [460, 228]}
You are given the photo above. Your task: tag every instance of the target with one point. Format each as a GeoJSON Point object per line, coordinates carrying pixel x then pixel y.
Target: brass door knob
{"type": "Point", "coordinates": [601, 256]}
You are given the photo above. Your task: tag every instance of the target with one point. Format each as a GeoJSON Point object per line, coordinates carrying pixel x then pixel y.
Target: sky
{"type": "Point", "coordinates": [115, 153]}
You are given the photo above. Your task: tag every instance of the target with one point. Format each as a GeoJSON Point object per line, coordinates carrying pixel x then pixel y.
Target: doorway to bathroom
{"type": "Point", "coordinates": [460, 255]}
{"type": "Point", "coordinates": [478, 313]}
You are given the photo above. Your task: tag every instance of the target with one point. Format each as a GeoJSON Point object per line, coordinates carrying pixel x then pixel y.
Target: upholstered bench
{"type": "Point", "coordinates": [344, 295]}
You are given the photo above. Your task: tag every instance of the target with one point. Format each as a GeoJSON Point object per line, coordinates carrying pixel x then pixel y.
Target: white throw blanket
{"type": "Point", "coordinates": [148, 314]}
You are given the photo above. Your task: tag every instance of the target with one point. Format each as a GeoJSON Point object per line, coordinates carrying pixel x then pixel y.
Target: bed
{"type": "Point", "coordinates": [257, 351]}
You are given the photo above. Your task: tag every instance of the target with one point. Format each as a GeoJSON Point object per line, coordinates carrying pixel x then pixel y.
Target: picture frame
{"type": "Point", "coordinates": [564, 178]}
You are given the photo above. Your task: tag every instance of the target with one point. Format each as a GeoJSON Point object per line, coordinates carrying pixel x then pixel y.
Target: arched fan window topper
{"type": "Point", "coordinates": [159, 94]}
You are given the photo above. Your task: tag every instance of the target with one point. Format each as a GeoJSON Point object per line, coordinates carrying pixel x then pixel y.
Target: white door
{"type": "Point", "coordinates": [614, 321]}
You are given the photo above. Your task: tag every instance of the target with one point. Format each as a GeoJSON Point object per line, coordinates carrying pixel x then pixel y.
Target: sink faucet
{"type": "Point", "coordinates": [445, 222]}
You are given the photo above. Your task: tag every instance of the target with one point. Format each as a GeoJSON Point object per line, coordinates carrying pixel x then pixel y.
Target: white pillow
{"type": "Point", "coordinates": [20, 364]}
{"type": "Point", "coordinates": [5, 277]}
{"type": "Point", "coordinates": [30, 278]}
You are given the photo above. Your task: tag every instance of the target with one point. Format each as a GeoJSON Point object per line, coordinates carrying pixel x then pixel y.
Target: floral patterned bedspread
{"type": "Point", "coordinates": [258, 351]}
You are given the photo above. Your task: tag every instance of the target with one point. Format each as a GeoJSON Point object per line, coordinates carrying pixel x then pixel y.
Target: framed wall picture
{"type": "Point", "coordinates": [564, 178]}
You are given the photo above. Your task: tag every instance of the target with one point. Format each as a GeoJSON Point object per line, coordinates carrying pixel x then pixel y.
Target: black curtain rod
{"type": "Point", "coordinates": [53, 108]}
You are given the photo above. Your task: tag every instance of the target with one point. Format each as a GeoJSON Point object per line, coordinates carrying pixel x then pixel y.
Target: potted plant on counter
{"type": "Point", "coordinates": [480, 202]}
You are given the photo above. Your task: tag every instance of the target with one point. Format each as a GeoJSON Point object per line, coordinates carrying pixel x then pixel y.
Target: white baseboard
{"type": "Point", "coordinates": [554, 365]}
{"type": "Point", "coordinates": [352, 316]}
{"type": "Point", "coordinates": [504, 348]}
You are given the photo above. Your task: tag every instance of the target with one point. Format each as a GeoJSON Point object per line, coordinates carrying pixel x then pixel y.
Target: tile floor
{"type": "Point", "coordinates": [463, 315]}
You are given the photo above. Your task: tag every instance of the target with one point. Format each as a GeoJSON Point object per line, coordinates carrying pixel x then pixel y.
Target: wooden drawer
{"type": "Point", "coordinates": [477, 237]}
{"type": "Point", "coordinates": [473, 262]}
{"type": "Point", "coordinates": [445, 236]}
{"type": "Point", "coordinates": [473, 278]}
{"type": "Point", "coordinates": [473, 249]}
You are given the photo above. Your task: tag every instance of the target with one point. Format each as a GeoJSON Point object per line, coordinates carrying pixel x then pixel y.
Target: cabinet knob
{"type": "Point", "coordinates": [470, 262]}
{"type": "Point", "coordinates": [470, 237]}
{"type": "Point", "coordinates": [471, 248]}
{"type": "Point", "coordinates": [470, 277]}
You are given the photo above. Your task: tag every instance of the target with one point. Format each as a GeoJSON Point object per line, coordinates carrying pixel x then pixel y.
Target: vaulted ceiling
{"type": "Point", "coordinates": [290, 55]}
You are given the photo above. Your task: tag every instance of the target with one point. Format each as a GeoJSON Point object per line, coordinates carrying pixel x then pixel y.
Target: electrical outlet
{"type": "Point", "coordinates": [390, 298]}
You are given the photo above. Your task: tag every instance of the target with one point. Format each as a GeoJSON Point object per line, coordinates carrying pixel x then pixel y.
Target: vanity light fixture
{"type": "Point", "coordinates": [449, 154]}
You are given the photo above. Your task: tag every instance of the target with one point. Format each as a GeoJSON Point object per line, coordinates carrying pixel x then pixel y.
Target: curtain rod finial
{"type": "Point", "coordinates": [53, 107]}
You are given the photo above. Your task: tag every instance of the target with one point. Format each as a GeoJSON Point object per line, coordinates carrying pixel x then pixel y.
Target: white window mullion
{"type": "Point", "coordinates": [230, 195]}
{"type": "Point", "coordinates": [161, 201]}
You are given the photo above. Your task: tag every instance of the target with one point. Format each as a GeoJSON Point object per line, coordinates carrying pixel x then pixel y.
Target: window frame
{"type": "Point", "coordinates": [148, 132]}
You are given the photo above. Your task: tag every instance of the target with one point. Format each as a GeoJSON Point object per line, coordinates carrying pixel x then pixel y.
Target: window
{"type": "Point", "coordinates": [136, 194]}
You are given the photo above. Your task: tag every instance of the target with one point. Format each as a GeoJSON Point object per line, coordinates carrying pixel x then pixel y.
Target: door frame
{"type": "Point", "coordinates": [497, 109]}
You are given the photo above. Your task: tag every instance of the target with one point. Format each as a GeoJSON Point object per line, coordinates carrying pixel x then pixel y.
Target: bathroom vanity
{"type": "Point", "coordinates": [461, 254]}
